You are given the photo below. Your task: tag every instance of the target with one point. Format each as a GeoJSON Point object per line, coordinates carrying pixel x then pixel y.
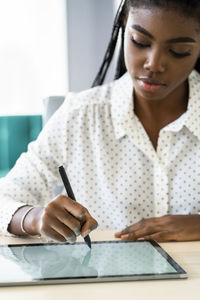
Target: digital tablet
{"type": "Point", "coordinates": [65, 263]}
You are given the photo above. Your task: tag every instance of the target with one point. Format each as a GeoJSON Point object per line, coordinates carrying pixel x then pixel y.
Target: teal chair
{"type": "Point", "coordinates": [16, 132]}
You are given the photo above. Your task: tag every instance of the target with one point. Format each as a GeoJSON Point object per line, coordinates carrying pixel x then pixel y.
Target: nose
{"type": "Point", "coordinates": [155, 61]}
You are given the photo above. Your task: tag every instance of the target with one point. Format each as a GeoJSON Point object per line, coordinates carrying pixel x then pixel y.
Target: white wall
{"type": "Point", "coordinates": [35, 61]}
{"type": "Point", "coordinates": [33, 54]}
{"type": "Point", "coordinates": [89, 31]}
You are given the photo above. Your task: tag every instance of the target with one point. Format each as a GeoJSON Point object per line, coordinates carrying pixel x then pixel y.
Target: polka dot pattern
{"type": "Point", "coordinates": [111, 163]}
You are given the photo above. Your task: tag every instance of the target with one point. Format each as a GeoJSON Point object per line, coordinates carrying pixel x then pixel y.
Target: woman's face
{"type": "Point", "coordinates": [161, 48]}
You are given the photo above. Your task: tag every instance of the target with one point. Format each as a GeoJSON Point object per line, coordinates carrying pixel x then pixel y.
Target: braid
{"type": "Point", "coordinates": [197, 66]}
{"type": "Point", "coordinates": [118, 23]}
{"type": "Point", "coordinates": [121, 67]}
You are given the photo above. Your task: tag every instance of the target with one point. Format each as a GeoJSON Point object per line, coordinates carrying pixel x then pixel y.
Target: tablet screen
{"type": "Point", "coordinates": [106, 261]}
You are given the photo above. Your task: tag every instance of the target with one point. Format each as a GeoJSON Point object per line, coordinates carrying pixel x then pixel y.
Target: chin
{"type": "Point", "coordinates": [150, 96]}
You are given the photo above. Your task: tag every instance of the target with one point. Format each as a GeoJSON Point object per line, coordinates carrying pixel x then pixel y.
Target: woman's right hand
{"type": "Point", "coordinates": [61, 219]}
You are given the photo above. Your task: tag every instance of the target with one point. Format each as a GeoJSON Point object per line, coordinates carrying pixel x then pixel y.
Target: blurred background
{"type": "Point", "coordinates": [47, 48]}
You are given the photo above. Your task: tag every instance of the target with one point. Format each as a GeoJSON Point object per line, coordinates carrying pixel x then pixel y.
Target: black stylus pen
{"type": "Point", "coordinates": [71, 195]}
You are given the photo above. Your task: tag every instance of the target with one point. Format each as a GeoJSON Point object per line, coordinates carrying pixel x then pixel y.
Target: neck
{"type": "Point", "coordinates": [167, 109]}
{"type": "Point", "coordinates": [156, 114]}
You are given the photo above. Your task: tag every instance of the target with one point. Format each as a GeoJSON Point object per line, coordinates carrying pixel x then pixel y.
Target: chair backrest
{"type": "Point", "coordinates": [16, 132]}
{"type": "Point", "coordinates": [51, 104]}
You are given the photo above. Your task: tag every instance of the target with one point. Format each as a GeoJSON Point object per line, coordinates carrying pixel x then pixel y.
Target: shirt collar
{"type": "Point", "coordinates": [123, 107]}
{"type": "Point", "coordinates": [191, 118]}
{"type": "Point", "coordinates": [125, 122]}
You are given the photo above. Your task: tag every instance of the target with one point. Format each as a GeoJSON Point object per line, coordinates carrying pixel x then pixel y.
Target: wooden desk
{"type": "Point", "coordinates": [187, 254]}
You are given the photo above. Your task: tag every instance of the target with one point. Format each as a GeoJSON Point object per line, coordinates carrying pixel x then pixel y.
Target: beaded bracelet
{"type": "Point", "coordinates": [22, 219]}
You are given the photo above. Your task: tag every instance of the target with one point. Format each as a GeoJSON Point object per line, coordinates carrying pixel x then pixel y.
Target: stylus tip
{"type": "Point", "coordinates": [88, 241]}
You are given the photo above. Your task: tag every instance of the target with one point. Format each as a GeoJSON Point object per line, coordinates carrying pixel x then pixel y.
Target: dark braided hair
{"type": "Point", "coordinates": [118, 23]}
{"type": "Point", "coordinates": [190, 8]}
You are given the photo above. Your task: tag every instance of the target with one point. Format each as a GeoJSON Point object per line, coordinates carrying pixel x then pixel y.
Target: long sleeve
{"type": "Point", "coordinates": [35, 175]}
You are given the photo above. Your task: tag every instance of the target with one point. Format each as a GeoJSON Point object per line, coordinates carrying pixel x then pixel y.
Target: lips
{"type": "Point", "coordinates": [150, 84]}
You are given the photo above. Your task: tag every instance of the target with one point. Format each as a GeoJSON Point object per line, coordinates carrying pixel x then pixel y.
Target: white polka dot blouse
{"type": "Point", "coordinates": [113, 168]}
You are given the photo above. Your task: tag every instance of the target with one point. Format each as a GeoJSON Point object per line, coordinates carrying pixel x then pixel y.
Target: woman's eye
{"type": "Point", "coordinates": [138, 44]}
{"type": "Point", "coordinates": [179, 55]}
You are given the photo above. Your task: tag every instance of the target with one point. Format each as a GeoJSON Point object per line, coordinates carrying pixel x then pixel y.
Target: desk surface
{"type": "Point", "coordinates": [187, 254]}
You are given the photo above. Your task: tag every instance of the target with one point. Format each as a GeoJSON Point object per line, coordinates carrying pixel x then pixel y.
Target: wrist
{"type": "Point", "coordinates": [28, 209]}
{"type": "Point", "coordinates": [32, 220]}
{"type": "Point", "coordinates": [15, 225]}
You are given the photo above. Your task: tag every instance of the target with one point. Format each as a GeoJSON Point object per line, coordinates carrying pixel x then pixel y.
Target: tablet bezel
{"type": "Point", "coordinates": [181, 273]}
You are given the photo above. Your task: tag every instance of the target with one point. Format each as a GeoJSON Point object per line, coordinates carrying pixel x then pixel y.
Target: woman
{"type": "Point", "coordinates": [131, 148]}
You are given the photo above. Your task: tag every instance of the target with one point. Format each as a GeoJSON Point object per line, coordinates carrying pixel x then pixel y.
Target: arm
{"type": "Point", "coordinates": [33, 179]}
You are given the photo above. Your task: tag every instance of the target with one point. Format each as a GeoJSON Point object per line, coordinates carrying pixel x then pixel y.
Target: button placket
{"type": "Point", "coordinates": [161, 191]}
{"type": "Point", "coordinates": [161, 180]}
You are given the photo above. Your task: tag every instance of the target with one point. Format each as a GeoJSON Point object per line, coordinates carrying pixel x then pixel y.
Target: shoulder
{"type": "Point", "coordinates": [99, 96]}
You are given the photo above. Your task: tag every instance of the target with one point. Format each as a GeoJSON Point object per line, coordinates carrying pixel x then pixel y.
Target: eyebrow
{"type": "Point", "coordinates": [175, 40]}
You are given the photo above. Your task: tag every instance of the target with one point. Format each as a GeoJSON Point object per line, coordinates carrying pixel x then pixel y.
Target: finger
{"type": "Point", "coordinates": [54, 224]}
{"type": "Point", "coordinates": [144, 226]}
{"type": "Point", "coordinates": [89, 225]}
{"type": "Point", "coordinates": [54, 235]}
{"type": "Point", "coordinates": [133, 228]}
{"type": "Point", "coordinates": [75, 209]}
{"type": "Point", "coordinates": [139, 233]}
{"type": "Point", "coordinates": [56, 209]}
{"type": "Point", "coordinates": [69, 221]}
{"type": "Point", "coordinates": [63, 202]}
{"type": "Point", "coordinates": [164, 236]}
{"type": "Point", "coordinates": [65, 231]}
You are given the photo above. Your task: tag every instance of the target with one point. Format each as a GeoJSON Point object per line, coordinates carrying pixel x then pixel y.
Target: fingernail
{"type": "Point", "coordinates": [125, 236]}
{"type": "Point", "coordinates": [86, 233]}
{"type": "Point", "coordinates": [77, 231]}
{"type": "Point", "coordinates": [71, 239]}
{"type": "Point", "coordinates": [81, 217]}
{"type": "Point", "coordinates": [140, 239]}
{"type": "Point", "coordinates": [118, 233]}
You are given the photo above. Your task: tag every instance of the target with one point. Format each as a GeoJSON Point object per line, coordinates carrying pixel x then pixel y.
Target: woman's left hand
{"type": "Point", "coordinates": [165, 228]}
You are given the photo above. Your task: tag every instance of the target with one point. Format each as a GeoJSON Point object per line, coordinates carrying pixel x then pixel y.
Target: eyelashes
{"type": "Point", "coordinates": [139, 45]}
{"type": "Point", "coordinates": [179, 55]}
{"type": "Point", "coordinates": [175, 54]}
